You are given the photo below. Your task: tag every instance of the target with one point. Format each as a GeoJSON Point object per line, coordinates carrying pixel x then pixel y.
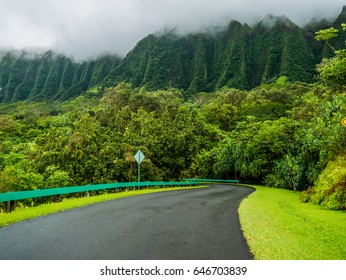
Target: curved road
{"type": "Point", "coordinates": [177, 225]}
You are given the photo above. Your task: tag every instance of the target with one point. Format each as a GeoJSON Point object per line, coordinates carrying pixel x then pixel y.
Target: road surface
{"type": "Point", "coordinates": [197, 224]}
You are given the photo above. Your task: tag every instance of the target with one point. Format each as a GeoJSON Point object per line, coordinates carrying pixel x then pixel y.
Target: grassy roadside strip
{"type": "Point", "coordinates": [22, 214]}
{"type": "Point", "coordinates": [278, 226]}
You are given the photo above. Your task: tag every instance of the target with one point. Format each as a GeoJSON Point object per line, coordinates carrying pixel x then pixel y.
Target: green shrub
{"type": "Point", "coordinates": [330, 187]}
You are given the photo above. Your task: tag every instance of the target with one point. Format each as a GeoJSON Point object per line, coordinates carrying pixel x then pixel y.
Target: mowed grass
{"type": "Point", "coordinates": [21, 214]}
{"type": "Point", "coordinates": [278, 226]}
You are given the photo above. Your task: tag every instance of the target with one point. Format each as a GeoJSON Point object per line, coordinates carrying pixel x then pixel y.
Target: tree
{"type": "Point", "coordinates": [13, 178]}
{"type": "Point", "coordinates": [326, 35]}
{"type": "Point", "coordinates": [56, 178]}
{"type": "Point", "coordinates": [286, 174]}
{"type": "Point", "coordinates": [333, 70]}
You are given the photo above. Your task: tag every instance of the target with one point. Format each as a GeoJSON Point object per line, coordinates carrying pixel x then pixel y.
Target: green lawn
{"type": "Point", "coordinates": [21, 214]}
{"type": "Point", "coordinates": [278, 226]}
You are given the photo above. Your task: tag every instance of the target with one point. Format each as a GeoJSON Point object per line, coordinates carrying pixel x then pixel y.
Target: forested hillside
{"type": "Point", "coordinates": [238, 56]}
{"type": "Point", "coordinates": [49, 76]}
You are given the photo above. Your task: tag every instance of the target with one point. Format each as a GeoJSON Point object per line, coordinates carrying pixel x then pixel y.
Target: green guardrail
{"type": "Point", "coordinates": [14, 196]}
{"type": "Point", "coordinates": [210, 180]}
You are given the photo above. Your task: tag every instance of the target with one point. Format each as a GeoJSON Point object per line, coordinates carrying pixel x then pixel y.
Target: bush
{"type": "Point", "coordinates": [330, 187]}
{"type": "Point", "coordinates": [15, 179]}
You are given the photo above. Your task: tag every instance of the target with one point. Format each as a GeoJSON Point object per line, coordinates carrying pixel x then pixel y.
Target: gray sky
{"type": "Point", "coordinates": [85, 28]}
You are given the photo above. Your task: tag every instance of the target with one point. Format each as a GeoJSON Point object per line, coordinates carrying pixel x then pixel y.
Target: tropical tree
{"type": "Point", "coordinates": [333, 70]}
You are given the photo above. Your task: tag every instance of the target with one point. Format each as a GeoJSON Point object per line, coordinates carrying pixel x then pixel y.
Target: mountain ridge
{"type": "Point", "coordinates": [238, 56]}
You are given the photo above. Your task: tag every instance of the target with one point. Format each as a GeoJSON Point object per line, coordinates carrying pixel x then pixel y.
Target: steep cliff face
{"type": "Point", "coordinates": [240, 57]}
{"type": "Point", "coordinates": [48, 76]}
{"type": "Point", "coordinates": [237, 56]}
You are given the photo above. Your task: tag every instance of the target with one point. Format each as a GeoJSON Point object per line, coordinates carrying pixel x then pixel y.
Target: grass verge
{"type": "Point", "coordinates": [21, 214]}
{"type": "Point", "coordinates": [278, 226]}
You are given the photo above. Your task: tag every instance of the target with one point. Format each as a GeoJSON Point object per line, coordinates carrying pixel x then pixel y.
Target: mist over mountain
{"type": "Point", "coordinates": [239, 56]}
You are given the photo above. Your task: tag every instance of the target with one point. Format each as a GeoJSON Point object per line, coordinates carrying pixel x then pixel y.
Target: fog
{"type": "Point", "coordinates": [87, 28]}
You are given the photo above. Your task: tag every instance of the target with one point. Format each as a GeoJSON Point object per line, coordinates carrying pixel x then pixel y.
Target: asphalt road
{"type": "Point", "coordinates": [197, 224]}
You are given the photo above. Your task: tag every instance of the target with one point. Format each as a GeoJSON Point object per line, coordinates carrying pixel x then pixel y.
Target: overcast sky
{"type": "Point", "coordinates": [86, 28]}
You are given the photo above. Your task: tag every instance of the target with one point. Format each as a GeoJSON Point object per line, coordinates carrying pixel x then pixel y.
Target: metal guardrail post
{"type": "Point", "coordinates": [10, 205]}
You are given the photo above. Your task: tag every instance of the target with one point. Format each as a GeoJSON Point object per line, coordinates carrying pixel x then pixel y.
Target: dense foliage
{"type": "Point", "coordinates": [281, 135]}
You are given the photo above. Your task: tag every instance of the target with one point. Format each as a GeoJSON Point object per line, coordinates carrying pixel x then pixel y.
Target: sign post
{"type": "Point", "coordinates": [139, 156]}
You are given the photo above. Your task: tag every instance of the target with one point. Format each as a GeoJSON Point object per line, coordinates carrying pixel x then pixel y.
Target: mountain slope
{"type": "Point", "coordinates": [238, 56]}
{"type": "Point", "coordinates": [49, 76]}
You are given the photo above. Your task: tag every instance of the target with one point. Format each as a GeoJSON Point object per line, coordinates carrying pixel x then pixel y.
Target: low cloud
{"type": "Point", "coordinates": [86, 28]}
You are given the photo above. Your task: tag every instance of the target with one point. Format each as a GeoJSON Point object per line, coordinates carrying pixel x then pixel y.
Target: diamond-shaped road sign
{"type": "Point", "coordinates": [139, 156]}
{"type": "Point", "coordinates": [343, 122]}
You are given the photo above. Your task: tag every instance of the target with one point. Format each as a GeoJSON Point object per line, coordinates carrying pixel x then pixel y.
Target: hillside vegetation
{"type": "Point", "coordinates": [237, 56]}
{"type": "Point", "coordinates": [48, 76]}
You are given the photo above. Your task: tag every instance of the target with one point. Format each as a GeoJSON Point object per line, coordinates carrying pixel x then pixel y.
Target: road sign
{"type": "Point", "coordinates": [139, 156]}
{"type": "Point", "coordinates": [343, 122]}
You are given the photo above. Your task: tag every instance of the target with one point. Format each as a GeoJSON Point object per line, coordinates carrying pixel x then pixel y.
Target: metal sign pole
{"type": "Point", "coordinates": [139, 158]}
{"type": "Point", "coordinates": [139, 169]}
